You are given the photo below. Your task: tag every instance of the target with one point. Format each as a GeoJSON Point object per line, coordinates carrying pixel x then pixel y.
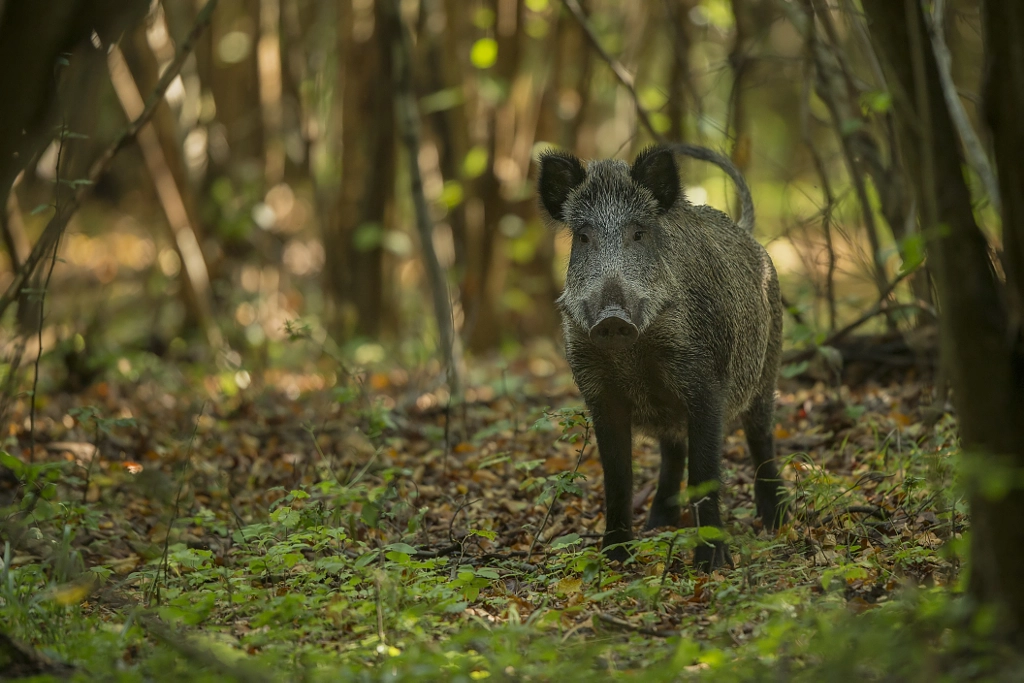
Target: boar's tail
{"type": "Point", "coordinates": [746, 219]}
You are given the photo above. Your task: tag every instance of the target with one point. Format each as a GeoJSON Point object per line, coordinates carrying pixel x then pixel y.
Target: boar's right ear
{"type": "Point", "coordinates": [560, 174]}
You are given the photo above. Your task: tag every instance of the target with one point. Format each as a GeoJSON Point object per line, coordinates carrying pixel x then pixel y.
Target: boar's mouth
{"type": "Point", "coordinates": [614, 329]}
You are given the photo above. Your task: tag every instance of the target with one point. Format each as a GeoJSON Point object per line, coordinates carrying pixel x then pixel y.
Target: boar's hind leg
{"type": "Point", "coordinates": [769, 491]}
{"type": "Point", "coordinates": [665, 510]}
{"type": "Point", "coordinates": [615, 443]}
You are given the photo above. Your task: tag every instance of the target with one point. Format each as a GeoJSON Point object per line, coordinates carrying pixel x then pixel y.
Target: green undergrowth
{"type": "Point", "coordinates": [432, 557]}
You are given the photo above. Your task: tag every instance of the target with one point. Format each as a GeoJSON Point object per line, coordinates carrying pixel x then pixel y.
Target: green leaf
{"type": "Point", "coordinates": [370, 515]}
{"type": "Point", "coordinates": [565, 541]}
{"type": "Point", "coordinates": [12, 463]}
{"type": "Point", "coordinates": [850, 126]}
{"type": "Point", "coordinates": [854, 412]}
{"type": "Point", "coordinates": [442, 100]}
{"type": "Point", "coordinates": [912, 251]}
{"type": "Point", "coordinates": [401, 548]}
{"type": "Point", "coordinates": [877, 101]}
{"type": "Point", "coordinates": [484, 53]}
{"type": "Point", "coordinates": [475, 162]}
{"type": "Point", "coordinates": [365, 559]}
{"type": "Point", "coordinates": [793, 369]}
{"type": "Point", "coordinates": [368, 237]}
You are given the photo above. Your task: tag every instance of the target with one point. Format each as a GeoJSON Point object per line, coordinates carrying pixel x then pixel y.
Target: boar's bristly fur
{"type": "Point", "coordinates": [673, 325]}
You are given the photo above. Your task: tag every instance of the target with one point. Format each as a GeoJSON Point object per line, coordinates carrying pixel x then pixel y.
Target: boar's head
{"type": "Point", "coordinates": [620, 267]}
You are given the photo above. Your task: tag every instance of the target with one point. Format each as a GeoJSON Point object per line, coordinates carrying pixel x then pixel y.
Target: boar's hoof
{"type": "Point", "coordinates": [711, 556]}
{"type": "Point", "coordinates": [661, 516]}
{"type": "Point", "coordinates": [616, 554]}
{"type": "Point", "coordinates": [614, 330]}
{"type": "Point", "coordinates": [613, 546]}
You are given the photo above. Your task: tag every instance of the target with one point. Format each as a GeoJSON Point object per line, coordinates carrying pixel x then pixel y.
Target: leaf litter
{"type": "Point", "coordinates": [372, 518]}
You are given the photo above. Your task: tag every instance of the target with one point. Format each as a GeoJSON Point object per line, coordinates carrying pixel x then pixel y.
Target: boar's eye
{"type": "Point", "coordinates": [584, 237]}
{"type": "Point", "coordinates": [638, 235]}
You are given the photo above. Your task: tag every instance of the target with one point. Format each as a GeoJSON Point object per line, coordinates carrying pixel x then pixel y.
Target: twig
{"type": "Point", "coordinates": [554, 498]}
{"type": "Point", "coordinates": [451, 524]}
{"type": "Point", "coordinates": [440, 552]}
{"type": "Point", "coordinates": [668, 565]}
{"type": "Point", "coordinates": [92, 459]}
{"type": "Point", "coordinates": [882, 306]}
{"type": "Point", "coordinates": [622, 623]}
{"type": "Point", "coordinates": [447, 437]}
{"type": "Point", "coordinates": [620, 71]}
{"type": "Point", "coordinates": [833, 77]}
{"type": "Point", "coordinates": [377, 599]}
{"type": "Point", "coordinates": [819, 164]}
{"type": "Point", "coordinates": [51, 234]}
{"type": "Point", "coordinates": [174, 517]}
{"type": "Point", "coordinates": [870, 510]}
{"type": "Point", "coordinates": [42, 299]}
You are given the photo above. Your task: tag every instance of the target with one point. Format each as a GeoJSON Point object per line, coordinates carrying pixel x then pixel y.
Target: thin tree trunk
{"type": "Point", "coordinates": [980, 323]}
{"type": "Point", "coordinates": [408, 121]}
{"type": "Point", "coordinates": [742, 61]}
{"type": "Point", "coordinates": [195, 277]}
{"type": "Point", "coordinates": [682, 93]}
{"type": "Point", "coordinates": [450, 125]}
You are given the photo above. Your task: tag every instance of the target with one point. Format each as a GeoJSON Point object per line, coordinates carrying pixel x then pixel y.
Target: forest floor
{"type": "Point", "coordinates": [168, 523]}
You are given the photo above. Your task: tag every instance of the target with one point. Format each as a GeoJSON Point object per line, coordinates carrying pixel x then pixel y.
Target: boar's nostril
{"type": "Point", "coordinates": [614, 331]}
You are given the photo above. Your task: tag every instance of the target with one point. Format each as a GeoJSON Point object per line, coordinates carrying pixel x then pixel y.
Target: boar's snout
{"type": "Point", "coordinates": [614, 329]}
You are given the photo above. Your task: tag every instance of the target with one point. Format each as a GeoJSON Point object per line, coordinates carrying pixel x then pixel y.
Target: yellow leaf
{"type": "Point", "coordinates": [72, 593]}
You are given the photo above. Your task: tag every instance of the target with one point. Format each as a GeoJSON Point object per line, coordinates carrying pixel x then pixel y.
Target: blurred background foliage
{"type": "Point", "coordinates": [272, 186]}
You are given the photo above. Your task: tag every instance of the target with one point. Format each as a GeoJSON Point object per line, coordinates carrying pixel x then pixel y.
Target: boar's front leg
{"type": "Point", "coordinates": [613, 428]}
{"type": "Point", "coordinates": [665, 510]}
{"type": "Point", "coordinates": [705, 429]}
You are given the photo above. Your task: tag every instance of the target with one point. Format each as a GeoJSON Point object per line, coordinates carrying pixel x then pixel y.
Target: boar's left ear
{"type": "Point", "coordinates": [655, 169]}
{"type": "Point", "coordinates": [560, 174]}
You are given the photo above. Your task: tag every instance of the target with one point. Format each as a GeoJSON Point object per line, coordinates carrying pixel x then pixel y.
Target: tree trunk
{"type": "Point", "coordinates": [481, 293]}
{"type": "Point", "coordinates": [33, 37]}
{"type": "Point", "coordinates": [980, 319]}
{"type": "Point", "coordinates": [234, 82]}
{"type": "Point", "coordinates": [356, 227]}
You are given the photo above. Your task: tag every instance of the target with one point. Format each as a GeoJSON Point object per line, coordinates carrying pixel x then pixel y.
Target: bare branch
{"type": "Point", "coordinates": [883, 306]}
{"type": "Point", "coordinates": [407, 117]}
{"type": "Point", "coordinates": [976, 155]}
{"type": "Point", "coordinates": [620, 71]}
